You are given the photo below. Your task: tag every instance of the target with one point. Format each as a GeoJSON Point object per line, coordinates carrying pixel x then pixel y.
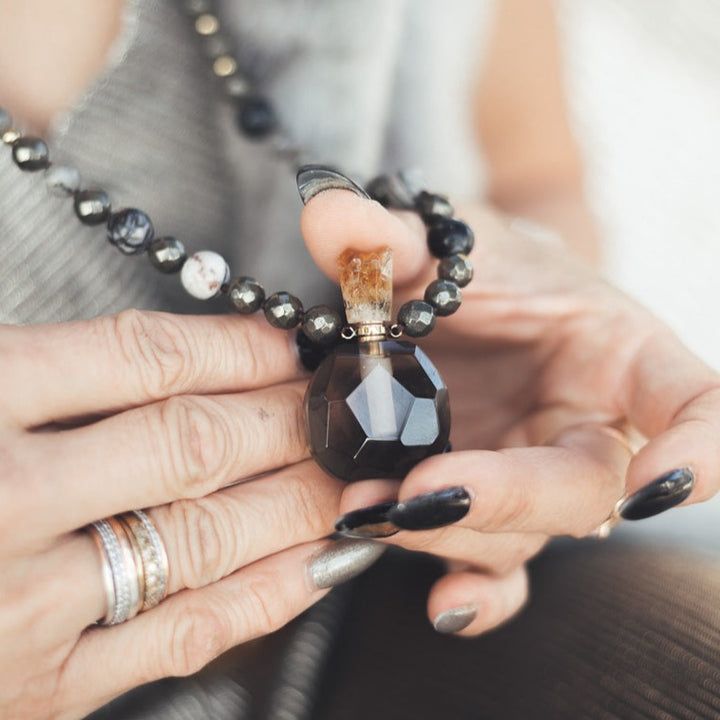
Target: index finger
{"type": "Point", "coordinates": [61, 371]}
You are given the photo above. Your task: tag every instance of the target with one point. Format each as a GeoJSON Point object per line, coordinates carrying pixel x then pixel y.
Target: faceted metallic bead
{"type": "Point", "coordinates": [256, 117]}
{"type": "Point", "coordinates": [444, 296]}
{"type": "Point", "coordinates": [375, 410]}
{"type": "Point", "coordinates": [457, 269]}
{"type": "Point", "coordinates": [62, 180]}
{"type": "Point", "coordinates": [92, 206]}
{"type": "Point", "coordinates": [417, 318]}
{"type": "Point", "coordinates": [204, 274]}
{"type": "Point", "coordinates": [432, 206]}
{"type": "Point", "coordinates": [30, 153]}
{"type": "Point", "coordinates": [449, 237]}
{"type": "Point", "coordinates": [130, 230]}
{"type": "Point", "coordinates": [283, 310]}
{"type": "Point", "coordinates": [322, 325]}
{"type": "Point", "coordinates": [167, 254]}
{"type": "Point", "coordinates": [246, 295]}
{"type": "Point", "coordinates": [5, 120]}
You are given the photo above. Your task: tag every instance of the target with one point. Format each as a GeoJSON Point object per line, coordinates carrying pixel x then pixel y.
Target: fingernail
{"type": "Point", "coordinates": [455, 619]}
{"type": "Point", "coordinates": [314, 179]}
{"type": "Point", "coordinates": [369, 522]}
{"type": "Point", "coordinates": [660, 495]}
{"type": "Point", "coordinates": [342, 561]}
{"type": "Point", "coordinates": [431, 510]}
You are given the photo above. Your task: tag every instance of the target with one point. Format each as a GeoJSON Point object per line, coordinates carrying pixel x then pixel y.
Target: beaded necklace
{"type": "Point", "coordinates": [375, 406]}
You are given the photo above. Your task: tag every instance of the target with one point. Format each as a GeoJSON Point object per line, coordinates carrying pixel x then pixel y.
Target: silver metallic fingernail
{"type": "Point", "coordinates": [314, 179]}
{"type": "Point", "coordinates": [455, 619]}
{"type": "Point", "coordinates": [342, 561]}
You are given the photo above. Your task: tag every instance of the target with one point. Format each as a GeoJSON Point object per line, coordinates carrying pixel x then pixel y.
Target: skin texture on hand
{"type": "Point", "coordinates": [546, 365]}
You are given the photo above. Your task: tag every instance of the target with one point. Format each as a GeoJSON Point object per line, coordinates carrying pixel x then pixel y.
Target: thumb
{"type": "Point", "coordinates": [334, 220]}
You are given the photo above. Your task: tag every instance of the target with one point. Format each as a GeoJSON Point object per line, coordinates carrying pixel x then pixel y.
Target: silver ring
{"type": "Point", "coordinates": [119, 566]}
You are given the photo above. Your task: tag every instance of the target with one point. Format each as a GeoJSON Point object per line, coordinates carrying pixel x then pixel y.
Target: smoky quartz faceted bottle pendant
{"type": "Point", "coordinates": [375, 407]}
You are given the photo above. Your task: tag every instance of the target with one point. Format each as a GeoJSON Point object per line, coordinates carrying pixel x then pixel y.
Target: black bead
{"type": "Point", "coordinates": [130, 230]}
{"type": "Point", "coordinates": [449, 237]}
{"type": "Point", "coordinates": [444, 296]}
{"type": "Point", "coordinates": [311, 354]}
{"type": "Point", "coordinates": [433, 207]}
{"type": "Point", "coordinates": [417, 318]}
{"type": "Point", "coordinates": [256, 117]}
{"type": "Point", "coordinates": [322, 325]}
{"type": "Point", "coordinates": [246, 295]}
{"type": "Point", "coordinates": [167, 254]}
{"type": "Point", "coordinates": [394, 191]}
{"type": "Point", "coordinates": [457, 269]}
{"type": "Point", "coordinates": [30, 153]}
{"type": "Point", "coordinates": [92, 206]}
{"type": "Point", "coordinates": [283, 310]}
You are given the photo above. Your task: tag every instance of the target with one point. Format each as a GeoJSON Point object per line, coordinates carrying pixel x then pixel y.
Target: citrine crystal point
{"type": "Point", "coordinates": [366, 284]}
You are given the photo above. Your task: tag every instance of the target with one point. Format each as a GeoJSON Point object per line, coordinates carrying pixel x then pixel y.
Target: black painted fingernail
{"type": "Point", "coordinates": [431, 510]}
{"type": "Point", "coordinates": [369, 522]}
{"type": "Point", "coordinates": [314, 179]}
{"type": "Point", "coordinates": [660, 495]}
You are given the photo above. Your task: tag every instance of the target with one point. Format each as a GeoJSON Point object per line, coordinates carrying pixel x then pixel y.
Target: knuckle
{"type": "Point", "coordinates": [516, 510]}
{"type": "Point", "coordinates": [200, 444]}
{"type": "Point", "coordinates": [202, 539]}
{"type": "Point", "coordinates": [197, 635]}
{"type": "Point", "coordinates": [265, 608]}
{"type": "Point", "coordinates": [156, 347]}
{"type": "Point", "coordinates": [305, 509]}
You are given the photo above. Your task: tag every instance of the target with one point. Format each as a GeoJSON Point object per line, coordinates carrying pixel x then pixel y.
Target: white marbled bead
{"type": "Point", "coordinates": [204, 273]}
{"type": "Point", "coordinates": [62, 180]}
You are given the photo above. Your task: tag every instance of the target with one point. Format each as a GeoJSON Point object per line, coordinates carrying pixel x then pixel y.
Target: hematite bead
{"type": "Point", "coordinates": [62, 180]}
{"type": "Point", "coordinates": [30, 153]}
{"type": "Point", "coordinates": [204, 273]}
{"type": "Point", "coordinates": [5, 120]}
{"type": "Point", "coordinates": [322, 325]}
{"type": "Point", "coordinates": [375, 410]}
{"type": "Point", "coordinates": [167, 254]}
{"type": "Point", "coordinates": [246, 295]}
{"type": "Point", "coordinates": [444, 296]}
{"type": "Point", "coordinates": [256, 117]}
{"type": "Point", "coordinates": [283, 310]}
{"type": "Point", "coordinates": [432, 206]}
{"type": "Point", "coordinates": [130, 230]}
{"type": "Point", "coordinates": [92, 206]}
{"type": "Point", "coordinates": [457, 269]}
{"type": "Point", "coordinates": [417, 318]}
{"type": "Point", "coordinates": [449, 237]}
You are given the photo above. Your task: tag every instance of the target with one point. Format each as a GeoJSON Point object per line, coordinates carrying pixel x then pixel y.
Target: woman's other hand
{"type": "Point", "coordinates": [549, 368]}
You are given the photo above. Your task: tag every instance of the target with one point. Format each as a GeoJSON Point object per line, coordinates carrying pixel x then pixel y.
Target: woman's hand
{"type": "Point", "coordinates": [548, 367]}
{"type": "Point", "coordinates": [152, 410]}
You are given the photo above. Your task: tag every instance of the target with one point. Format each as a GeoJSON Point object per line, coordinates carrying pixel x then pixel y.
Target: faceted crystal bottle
{"type": "Point", "coordinates": [375, 407]}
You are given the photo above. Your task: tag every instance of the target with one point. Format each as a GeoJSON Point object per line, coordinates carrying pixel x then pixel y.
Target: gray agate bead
{"type": "Point", "coordinates": [5, 120]}
{"type": "Point", "coordinates": [246, 295]}
{"type": "Point", "coordinates": [204, 274]}
{"type": "Point", "coordinates": [62, 180]}
{"type": "Point", "coordinates": [283, 310]}
{"type": "Point", "coordinates": [130, 230]}
{"type": "Point", "coordinates": [444, 296]}
{"type": "Point", "coordinates": [167, 254]}
{"type": "Point", "coordinates": [322, 325]}
{"type": "Point", "coordinates": [457, 269]}
{"type": "Point", "coordinates": [417, 318]}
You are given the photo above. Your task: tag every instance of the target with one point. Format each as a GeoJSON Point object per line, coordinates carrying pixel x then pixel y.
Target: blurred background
{"type": "Point", "coordinates": [644, 88]}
